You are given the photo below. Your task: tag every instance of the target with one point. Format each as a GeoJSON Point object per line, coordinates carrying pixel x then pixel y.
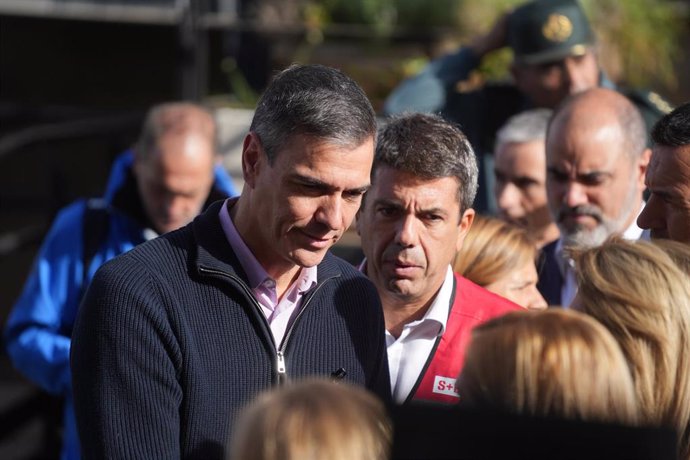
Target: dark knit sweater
{"type": "Point", "coordinates": [169, 345]}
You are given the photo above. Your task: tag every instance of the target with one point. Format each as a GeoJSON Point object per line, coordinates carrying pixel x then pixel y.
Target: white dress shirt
{"type": "Point", "coordinates": [408, 354]}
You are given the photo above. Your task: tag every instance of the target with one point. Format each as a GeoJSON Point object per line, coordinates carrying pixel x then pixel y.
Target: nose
{"type": "Point", "coordinates": [575, 194]}
{"type": "Point", "coordinates": [537, 301]}
{"type": "Point", "coordinates": [507, 197]}
{"type": "Point", "coordinates": [174, 205]}
{"type": "Point", "coordinates": [406, 232]}
{"type": "Point", "coordinates": [574, 76]}
{"type": "Point", "coordinates": [651, 216]}
{"type": "Point", "coordinates": [330, 212]}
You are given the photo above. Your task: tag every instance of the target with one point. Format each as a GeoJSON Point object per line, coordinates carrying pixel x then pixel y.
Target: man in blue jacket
{"type": "Point", "coordinates": [169, 177]}
{"type": "Point", "coordinates": [175, 337]}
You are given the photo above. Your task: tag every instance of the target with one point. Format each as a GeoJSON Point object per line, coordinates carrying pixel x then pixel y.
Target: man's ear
{"type": "Point", "coordinates": [358, 220]}
{"type": "Point", "coordinates": [253, 158]}
{"type": "Point", "coordinates": [642, 165]}
{"type": "Point", "coordinates": [464, 226]}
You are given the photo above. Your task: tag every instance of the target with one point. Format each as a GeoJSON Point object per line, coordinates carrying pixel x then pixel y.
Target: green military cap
{"type": "Point", "coordinates": [548, 30]}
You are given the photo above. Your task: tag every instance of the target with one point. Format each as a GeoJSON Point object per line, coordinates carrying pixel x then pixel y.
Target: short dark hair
{"type": "Point", "coordinates": [673, 129]}
{"type": "Point", "coordinates": [431, 148]}
{"type": "Point", "coordinates": [316, 101]}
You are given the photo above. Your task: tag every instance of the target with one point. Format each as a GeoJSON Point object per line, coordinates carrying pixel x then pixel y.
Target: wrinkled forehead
{"type": "Point", "coordinates": [406, 188]}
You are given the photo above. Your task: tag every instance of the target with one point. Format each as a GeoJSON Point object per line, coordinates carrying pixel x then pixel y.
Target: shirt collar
{"type": "Point", "coordinates": [440, 308]}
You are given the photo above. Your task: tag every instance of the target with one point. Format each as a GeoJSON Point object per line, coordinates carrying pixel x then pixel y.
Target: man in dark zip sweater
{"type": "Point", "coordinates": [177, 335]}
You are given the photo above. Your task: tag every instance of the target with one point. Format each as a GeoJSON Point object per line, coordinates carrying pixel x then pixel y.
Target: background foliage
{"type": "Point", "coordinates": [640, 39]}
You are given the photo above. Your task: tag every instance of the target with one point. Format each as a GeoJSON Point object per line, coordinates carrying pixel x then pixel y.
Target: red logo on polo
{"type": "Point", "coordinates": [445, 386]}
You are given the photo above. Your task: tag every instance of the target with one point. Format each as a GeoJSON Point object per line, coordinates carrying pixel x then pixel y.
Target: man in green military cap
{"type": "Point", "coordinates": [555, 55]}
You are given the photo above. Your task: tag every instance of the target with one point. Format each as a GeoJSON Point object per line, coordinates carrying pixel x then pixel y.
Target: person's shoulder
{"type": "Point", "coordinates": [646, 100]}
{"type": "Point", "coordinates": [346, 274]}
{"type": "Point", "coordinates": [337, 265]}
{"type": "Point", "coordinates": [158, 254]}
{"type": "Point", "coordinates": [66, 225]}
{"type": "Point", "coordinates": [479, 302]}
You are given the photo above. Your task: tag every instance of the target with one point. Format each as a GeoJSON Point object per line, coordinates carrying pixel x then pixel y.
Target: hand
{"type": "Point", "coordinates": [495, 39]}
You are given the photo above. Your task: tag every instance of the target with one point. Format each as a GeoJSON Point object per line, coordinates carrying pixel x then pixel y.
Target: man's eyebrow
{"type": "Point", "coordinates": [359, 190]}
{"type": "Point", "coordinates": [321, 185]}
{"type": "Point", "coordinates": [387, 202]}
{"type": "Point", "coordinates": [523, 178]}
{"type": "Point", "coordinates": [662, 193]}
{"type": "Point", "coordinates": [594, 174]}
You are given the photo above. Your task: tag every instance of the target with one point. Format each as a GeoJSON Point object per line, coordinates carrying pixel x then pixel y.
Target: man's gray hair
{"type": "Point", "coordinates": [315, 101]}
{"type": "Point", "coordinates": [527, 126]}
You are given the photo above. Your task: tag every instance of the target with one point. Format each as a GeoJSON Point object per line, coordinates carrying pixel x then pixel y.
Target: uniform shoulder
{"type": "Point", "coordinates": [648, 101]}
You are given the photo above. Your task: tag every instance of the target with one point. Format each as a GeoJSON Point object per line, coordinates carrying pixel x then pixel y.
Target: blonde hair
{"type": "Point", "coordinates": [552, 363]}
{"type": "Point", "coordinates": [677, 251]}
{"type": "Point", "coordinates": [638, 292]}
{"type": "Point", "coordinates": [492, 249]}
{"type": "Point", "coordinates": [312, 420]}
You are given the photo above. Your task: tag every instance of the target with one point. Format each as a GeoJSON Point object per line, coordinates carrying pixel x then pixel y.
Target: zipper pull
{"type": "Point", "coordinates": [282, 375]}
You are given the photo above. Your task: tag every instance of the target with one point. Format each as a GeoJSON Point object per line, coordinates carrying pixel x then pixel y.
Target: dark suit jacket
{"type": "Point", "coordinates": [550, 277]}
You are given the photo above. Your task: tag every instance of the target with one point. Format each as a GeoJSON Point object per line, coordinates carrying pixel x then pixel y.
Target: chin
{"type": "Point", "coordinates": [586, 238]}
{"type": "Point", "coordinates": [306, 258]}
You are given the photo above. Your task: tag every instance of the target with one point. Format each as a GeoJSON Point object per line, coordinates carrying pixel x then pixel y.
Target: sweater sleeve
{"type": "Point", "coordinates": [37, 331]}
{"type": "Point", "coordinates": [124, 363]}
{"type": "Point", "coordinates": [426, 91]}
{"type": "Point", "coordinates": [379, 381]}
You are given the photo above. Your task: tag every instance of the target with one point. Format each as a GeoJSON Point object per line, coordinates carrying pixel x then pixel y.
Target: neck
{"type": "Point", "coordinates": [398, 312]}
{"type": "Point", "coordinates": [547, 234]}
{"type": "Point", "coordinates": [283, 271]}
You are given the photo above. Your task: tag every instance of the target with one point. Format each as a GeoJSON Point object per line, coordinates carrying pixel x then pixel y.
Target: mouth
{"type": "Point", "coordinates": [519, 221]}
{"type": "Point", "coordinates": [403, 269]}
{"type": "Point", "coordinates": [579, 218]}
{"type": "Point", "coordinates": [658, 234]}
{"type": "Point", "coordinates": [317, 241]}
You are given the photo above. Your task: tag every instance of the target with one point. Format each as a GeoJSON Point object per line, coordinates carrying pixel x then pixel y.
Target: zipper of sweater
{"type": "Point", "coordinates": [280, 365]}
{"type": "Point", "coordinates": [281, 368]}
{"type": "Point", "coordinates": [249, 294]}
{"type": "Point", "coordinates": [281, 350]}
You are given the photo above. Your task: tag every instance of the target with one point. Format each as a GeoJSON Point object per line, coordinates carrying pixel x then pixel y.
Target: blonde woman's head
{"type": "Point", "coordinates": [500, 257]}
{"type": "Point", "coordinates": [552, 363]}
{"type": "Point", "coordinates": [677, 251]}
{"type": "Point", "coordinates": [638, 292]}
{"type": "Point", "coordinates": [312, 420]}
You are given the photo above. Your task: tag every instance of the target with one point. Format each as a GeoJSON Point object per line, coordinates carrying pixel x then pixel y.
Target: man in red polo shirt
{"type": "Point", "coordinates": [412, 222]}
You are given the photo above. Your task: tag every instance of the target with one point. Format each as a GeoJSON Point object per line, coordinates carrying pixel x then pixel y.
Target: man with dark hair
{"type": "Point", "coordinates": [667, 213]}
{"type": "Point", "coordinates": [172, 173]}
{"type": "Point", "coordinates": [412, 222]}
{"type": "Point", "coordinates": [554, 55]}
{"type": "Point", "coordinates": [596, 158]}
{"type": "Point", "coordinates": [176, 336]}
